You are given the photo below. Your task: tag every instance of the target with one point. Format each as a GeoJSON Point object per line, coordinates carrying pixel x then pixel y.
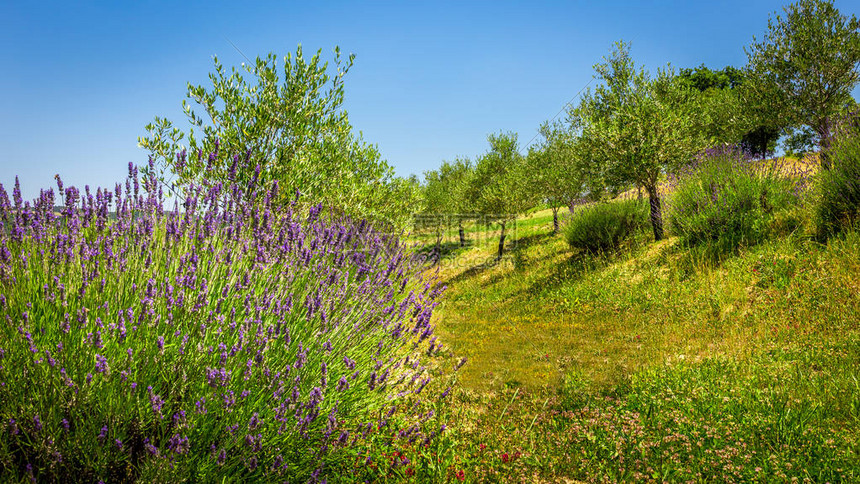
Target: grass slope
{"type": "Point", "coordinates": [651, 363]}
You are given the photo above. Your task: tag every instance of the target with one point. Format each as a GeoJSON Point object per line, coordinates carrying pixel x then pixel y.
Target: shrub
{"type": "Point", "coordinates": [603, 226]}
{"type": "Point", "coordinates": [728, 199]}
{"type": "Point", "coordinates": [224, 340]}
{"type": "Point", "coordinates": [839, 187]}
{"type": "Point", "coordinates": [286, 116]}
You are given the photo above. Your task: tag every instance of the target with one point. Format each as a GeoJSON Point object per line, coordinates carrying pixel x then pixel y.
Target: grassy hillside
{"type": "Point", "coordinates": [651, 363]}
{"type": "Point", "coordinates": [552, 310]}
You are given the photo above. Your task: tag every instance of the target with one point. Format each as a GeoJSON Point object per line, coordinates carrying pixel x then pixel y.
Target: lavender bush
{"type": "Point", "coordinates": [603, 226]}
{"type": "Point", "coordinates": [727, 199]}
{"type": "Point", "coordinates": [227, 338]}
{"type": "Point", "coordinates": [839, 187]}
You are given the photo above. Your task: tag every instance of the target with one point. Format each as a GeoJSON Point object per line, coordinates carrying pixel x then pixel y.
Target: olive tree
{"type": "Point", "coordinates": [551, 169]}
{"type": "Point", "coordinates": [807, 65]}
{"type": "Point", "coordinates": [287, 119]}
{"type": "Point", "coordinates": [726, 114]}
{"type": "Point", "coordinates": [444, 198]}
{"type": "Point", "coordinates": [496, 189]}
{"type": "Point", "coordinates": [636, 128]}
{"type": "Point", "coordinates": [457, 175]}
{"type": "Point", "coordinates": [434, 203]}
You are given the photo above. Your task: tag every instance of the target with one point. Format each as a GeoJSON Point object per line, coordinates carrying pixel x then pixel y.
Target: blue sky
{"type": "Point", "coordinates": [430, 80]}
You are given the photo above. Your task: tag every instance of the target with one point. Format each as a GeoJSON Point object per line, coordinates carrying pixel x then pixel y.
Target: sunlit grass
{"type": "Point", "coordinates": [551, 334]}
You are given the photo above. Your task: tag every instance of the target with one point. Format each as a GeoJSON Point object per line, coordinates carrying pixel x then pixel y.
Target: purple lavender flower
{"type": "Point", "coordinates": [217, 377]}
{"type": "Point", "coordinates": [342, 384]}
{"type": "Point", "coordinates": [150, 449]}
{"type": "Point", "coordinates": [229, 400]}
{"type": "Point", "coordinates": [254, 422]}
{"type": "Point", "coordinates": [254, 442]}
{"type": "Point", "coordinates": [179, 444]}
{"type": "Point", "coordinates": [155, 401]}
{"type": "Point", "coordinates": [179, 418]}
{"type": "Point", "coordinates": [101, 364]}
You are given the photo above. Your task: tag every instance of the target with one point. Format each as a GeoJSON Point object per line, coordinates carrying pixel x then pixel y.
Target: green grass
{"type": "Point", "coordinates": [652, 363]}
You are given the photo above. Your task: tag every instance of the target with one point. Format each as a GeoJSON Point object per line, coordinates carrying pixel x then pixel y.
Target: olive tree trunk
{"type": "Point", "coordinates": [437, 252]}
{"type": "Point", "coordinates": [823, 132]}
{"type": "Point", "coordinates": [501, 242]}
{"type": "Point", "coordinates": [656, 212]}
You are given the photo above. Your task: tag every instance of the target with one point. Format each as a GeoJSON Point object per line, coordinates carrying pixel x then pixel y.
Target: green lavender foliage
{"type": "Point", "coordinates": [727, 200]}
{"type": "Point", "coordinates": [839, 187]}
{"type": "Point", "coordinates": [603, 226]}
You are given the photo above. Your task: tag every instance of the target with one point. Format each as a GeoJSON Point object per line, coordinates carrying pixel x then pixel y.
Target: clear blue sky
{"type": "Point", "coordinates": [430, 80]}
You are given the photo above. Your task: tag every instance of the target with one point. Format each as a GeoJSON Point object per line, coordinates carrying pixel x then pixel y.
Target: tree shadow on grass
{"type": "Point", "coordinates": [513, 255]}
{"type": "Point", "coordinates": [445, 249]}
{"type": "Point", "coordinates": [582, 262]}
{"type": "Point", "coordinates": [476, 270]}
{"type": "Point", "coordinates": [525, 243]}
{"type": "Point", "coordinates": [571, 269]}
